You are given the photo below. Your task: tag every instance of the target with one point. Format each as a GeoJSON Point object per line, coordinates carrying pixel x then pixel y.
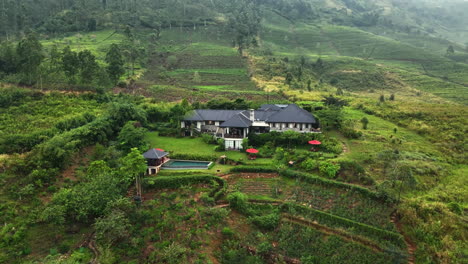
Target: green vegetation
{"type": "Point", "coordinates": [103, 81]}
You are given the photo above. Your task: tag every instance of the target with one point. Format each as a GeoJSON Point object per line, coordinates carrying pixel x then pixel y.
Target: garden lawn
{"type": "Point", "coordinates": [196, 146]}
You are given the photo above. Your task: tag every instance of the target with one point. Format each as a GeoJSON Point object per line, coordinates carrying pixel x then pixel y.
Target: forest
{"type": "Point", "coordinates": [88, 86]}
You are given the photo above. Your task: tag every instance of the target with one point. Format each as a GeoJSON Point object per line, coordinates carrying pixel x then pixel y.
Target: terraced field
{"type": "Point", "coordinates": [199, 64]}
{"type": "Point", "coordinates": [360, 59]}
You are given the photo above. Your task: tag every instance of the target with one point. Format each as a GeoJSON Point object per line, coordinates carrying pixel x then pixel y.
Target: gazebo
{"type": "Point", "coordinates": [155, 158]}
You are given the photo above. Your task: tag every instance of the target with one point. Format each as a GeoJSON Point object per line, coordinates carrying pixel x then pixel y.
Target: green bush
{"type": "Point", "coordinates": [227, 232]}
{"type": "Point", "coordinates": [267, 222]}
{"type": "Point", "coordinates": [208, 139]}
{"type": "Point", "coordinates": [221, 145]}
{"type": "Point", "coordinates": [350, 133]}
{"type": "Point", "coordinates": [238, 201]}
{"type": "Point", "coordinates": [328, 169]}
{"type": "Point", "coordinates": [310, 164]}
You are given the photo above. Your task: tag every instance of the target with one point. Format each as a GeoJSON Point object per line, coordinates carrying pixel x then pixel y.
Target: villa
{"type": "Point", "coordinates": [235, 125]}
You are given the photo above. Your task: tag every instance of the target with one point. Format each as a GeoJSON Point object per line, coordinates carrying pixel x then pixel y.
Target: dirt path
{"type": "Point", "coordinates": [324, 229]}
{"type": "Point", "coordinates": [272, 257]}
{"type": "Point", "coordinates": [345, 148]}
{"type": "Point", "coordinates": [409, 243]}
{"type": "Point", "coordinates": [90, 242]}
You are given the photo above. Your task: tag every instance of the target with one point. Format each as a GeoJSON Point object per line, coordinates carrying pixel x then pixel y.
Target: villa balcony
{"type": "Point", "coordinates": [208, 128]}
{"type": "Point", "coordinates": [232, 136]}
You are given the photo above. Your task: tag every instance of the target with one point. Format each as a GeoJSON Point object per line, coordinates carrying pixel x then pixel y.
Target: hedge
{"type": "Point", "coordinates": [186, 156]}
{"type": "Point", "coordinates": [337, 221]}
{"type": "Point", "coordinates": [259, 169]}
{"type": "Point", "coordinates": [332, 183]}
{"type": "Point", "coordinates": [168, 182]}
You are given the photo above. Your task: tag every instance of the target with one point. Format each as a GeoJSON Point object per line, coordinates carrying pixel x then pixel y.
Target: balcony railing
{"type": "Point", "coordinates": [304, 130]}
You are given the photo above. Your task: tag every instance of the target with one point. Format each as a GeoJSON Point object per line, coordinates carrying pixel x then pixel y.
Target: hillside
{"type": "Point", "coordinates": [87, 86]}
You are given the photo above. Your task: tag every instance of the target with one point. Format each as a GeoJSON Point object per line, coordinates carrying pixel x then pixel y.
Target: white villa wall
{"type": "Point", "coordinates": [231, 143]}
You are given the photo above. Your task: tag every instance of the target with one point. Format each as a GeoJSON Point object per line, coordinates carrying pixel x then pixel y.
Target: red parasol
{"type": "Point", "coordinates": [159, 149]}
{"type": "Point", "coordinates": [252, 150]}
{"type": "Point", "coordinates": [315, 142]}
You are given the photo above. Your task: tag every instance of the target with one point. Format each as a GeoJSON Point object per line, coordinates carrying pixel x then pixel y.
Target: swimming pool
{"type": "Point", "coordinates": [186, 164]}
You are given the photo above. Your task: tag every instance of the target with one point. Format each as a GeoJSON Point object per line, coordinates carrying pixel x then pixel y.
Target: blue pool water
{"type": "Point", "coordinates": [186, 164]}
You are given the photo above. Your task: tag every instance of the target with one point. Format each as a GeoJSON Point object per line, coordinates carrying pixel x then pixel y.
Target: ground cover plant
{"type": "Point", "coordinates": [39, 116]}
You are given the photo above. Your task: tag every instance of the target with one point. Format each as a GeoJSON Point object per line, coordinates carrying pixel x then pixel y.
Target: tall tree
{"type": "Point", "coordinates": [115, 61]}
{"type": "Point", "coordinates": [30, 56]}
{"type": "Point", "coordinates": [132, 136]}
{"type": "Point", "coordinates": [88, 66]}
{"type": "Point", "coordinates": [70, 63]}
{"type": "Point", "coordinates": [244, 22]}
{"type": "Point", "coordinates": [8, 58]}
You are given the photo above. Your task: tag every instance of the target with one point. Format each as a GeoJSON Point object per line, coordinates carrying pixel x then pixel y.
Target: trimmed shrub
{"type": "Point", "coordinates": [328, 169]}
{"type": "Point", "coordinates": [186, 156]}
{"type": "Point", "coordinates": [258, 169]}
{"type": "Point", "coordinates": [227, 232]}
{"type": "Point", "coordinates": [310, 164]}
{"type": "Point", "coordinates": [208, 139]}
{"type": "Point", "coordinates": [267, 222]}
{"type": "Point", "coordinates": [336, 221]}
{"type": "Point", "coordinates": [167, 182]}
{"type": "Point", "coordinates": [238, 201]}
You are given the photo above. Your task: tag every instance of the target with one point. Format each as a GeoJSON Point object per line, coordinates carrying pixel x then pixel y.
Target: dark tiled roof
{"type": "Point", "coordinates": [264, 114]}
{"type": "Point", "coordinates": [240, 120]}
{"type": "Point", "coordinates": [154, 154]}
{"type": "Point", "coordinates": [267, 107]}
{"type": "Point", "coordinates": [211, 115]}
{"type": "Point", "coordinates": [292, 114]}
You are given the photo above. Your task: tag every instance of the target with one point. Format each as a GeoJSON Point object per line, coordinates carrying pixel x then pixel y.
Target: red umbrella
{"type": "Point", "coordinates": [315, 142]}
{"type": "Point", "coordinates": [252, 150]}
{"type": "Point", "coordinates": [159, 149]}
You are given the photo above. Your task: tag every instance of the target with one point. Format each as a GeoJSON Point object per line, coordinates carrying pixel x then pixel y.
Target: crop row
{"type": "Point", "coordinates": [168, 182]}
{"type": "Point", "coordinates": [380, 235]}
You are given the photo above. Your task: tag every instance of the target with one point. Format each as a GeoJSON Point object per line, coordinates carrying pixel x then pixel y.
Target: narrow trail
{"type": "Point", "coordinates": [90, 242]}
{"type": "Point", "coordinates": [272, 257]}
{"type": "Point", "coordinates": [345, 148]}
{"type": "Point", "coordinates": [324, 229]}
{"type": "Point", "coordinates": [409, 244]}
